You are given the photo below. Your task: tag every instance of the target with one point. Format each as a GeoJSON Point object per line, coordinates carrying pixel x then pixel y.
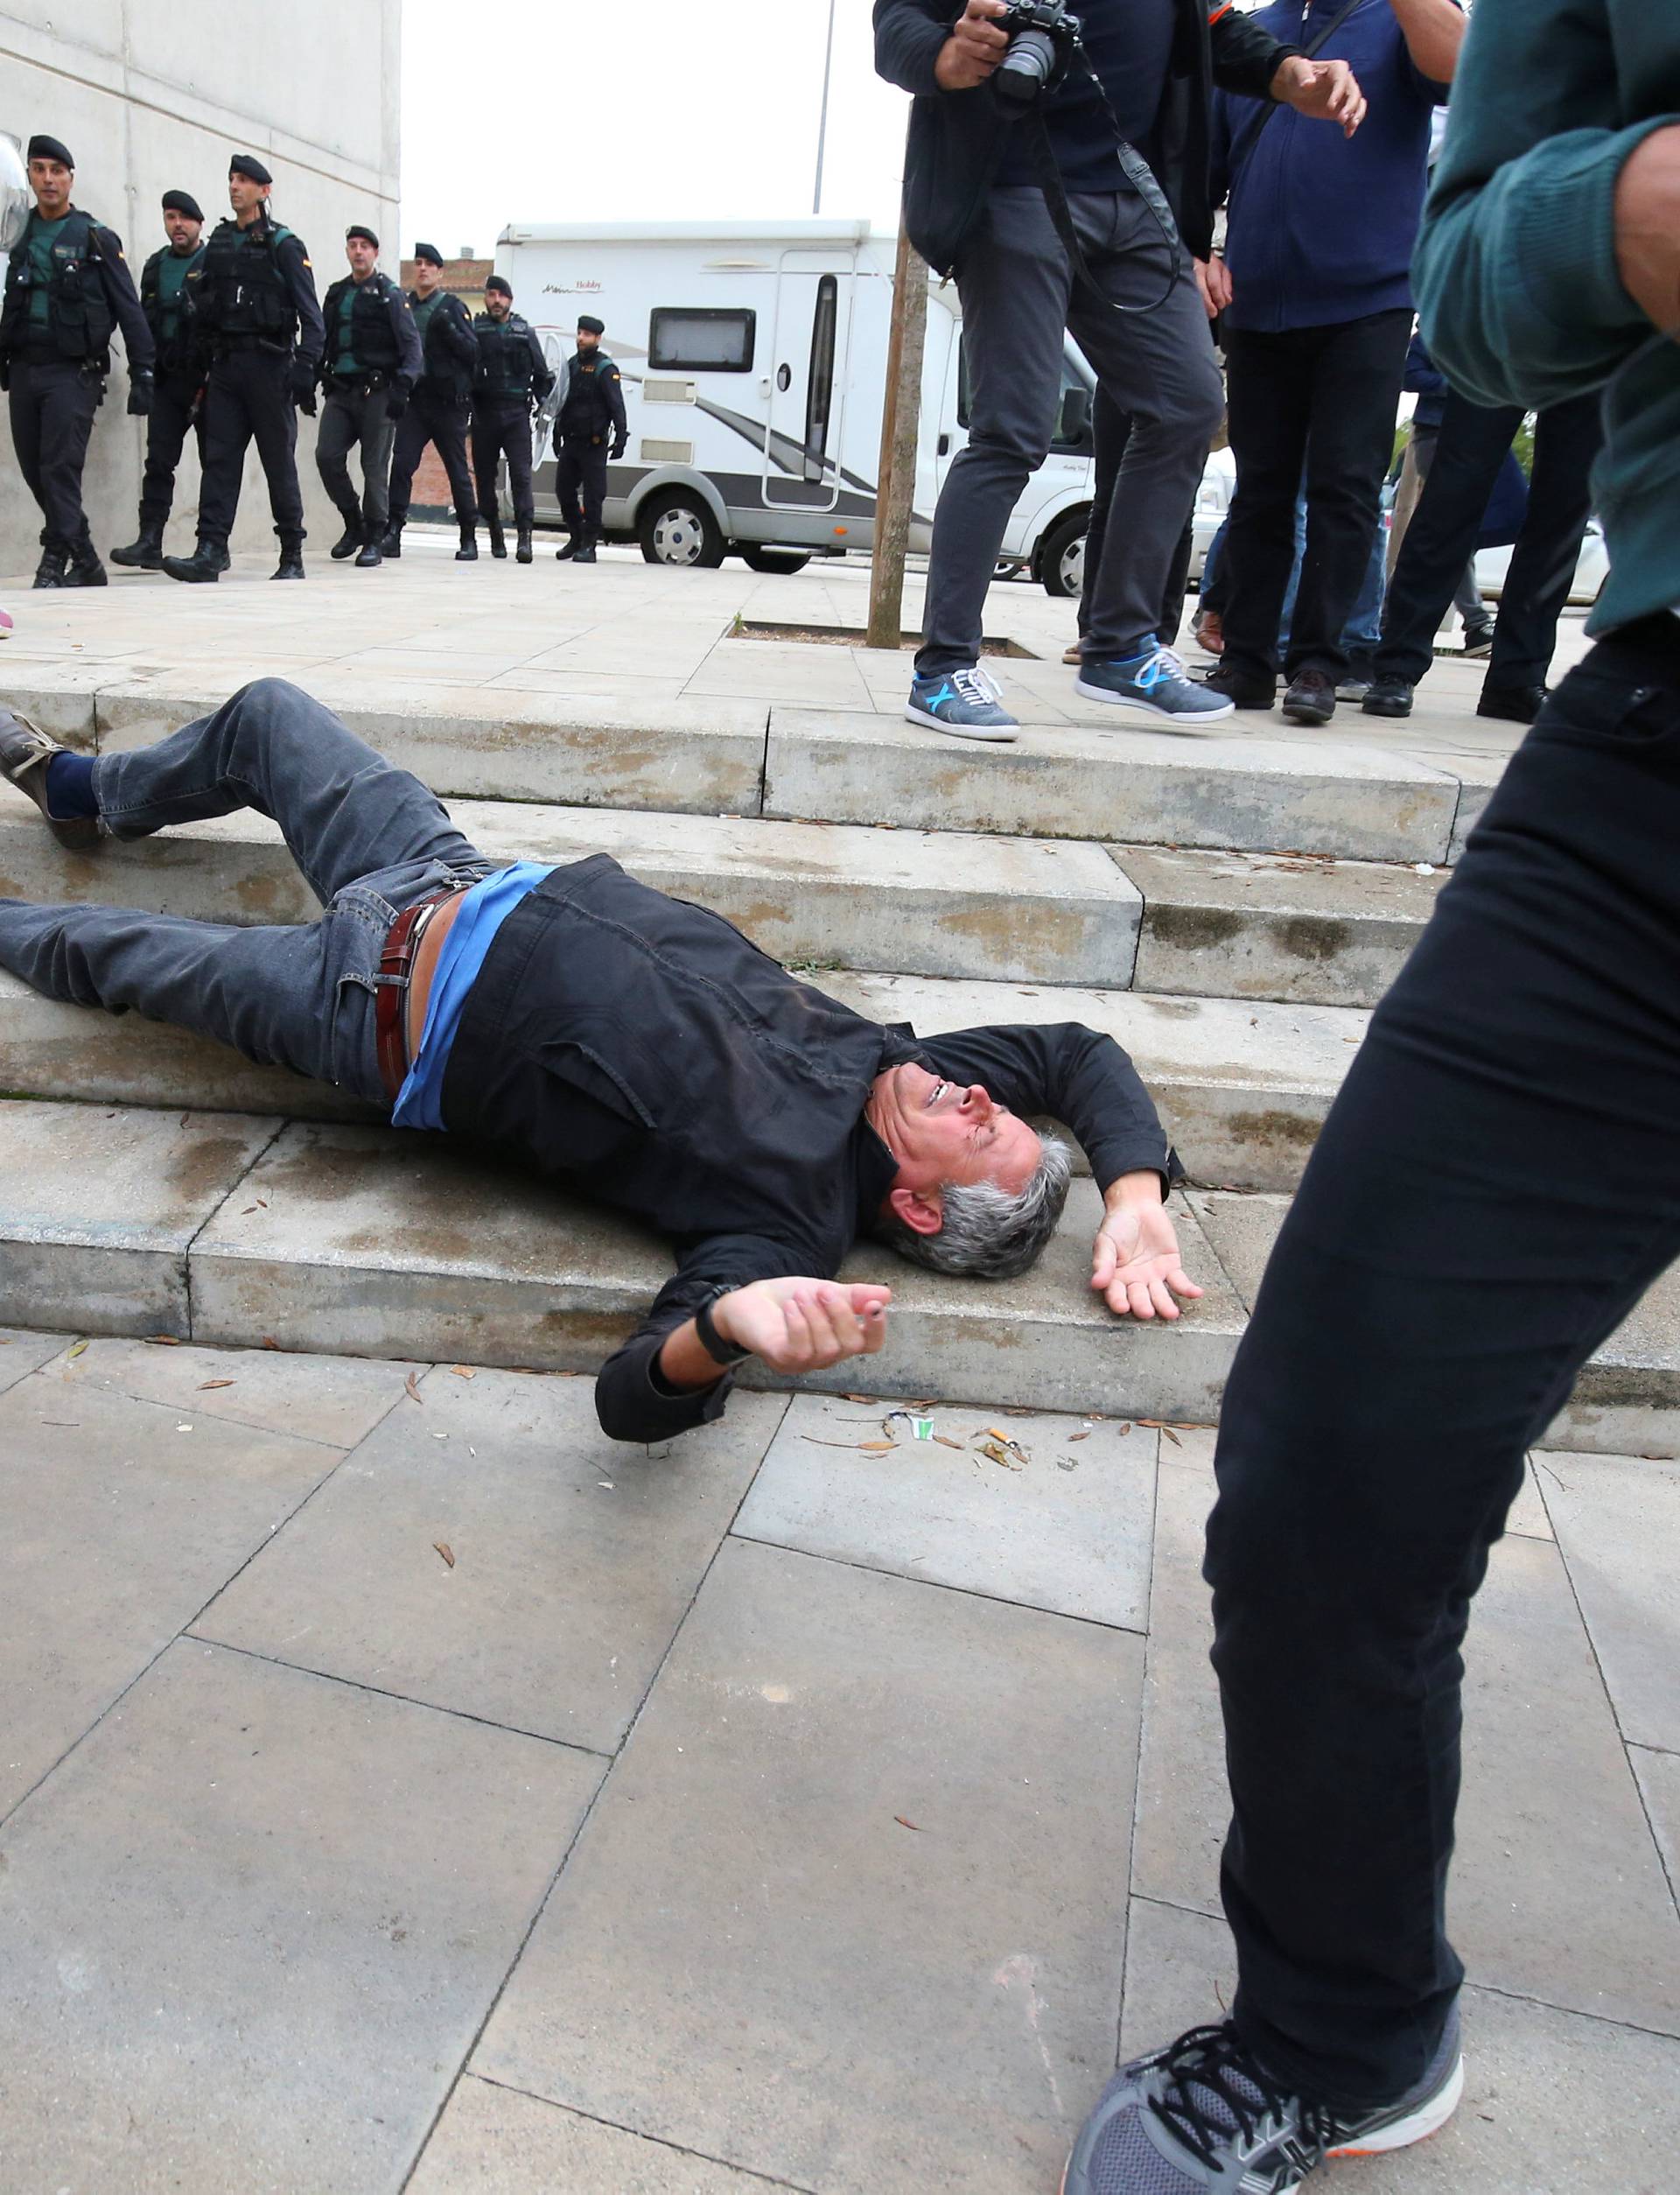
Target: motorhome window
{"type": "Point", "coordinates": [819, 392]}
{"type": "Point", "coordinates": [700, 339]}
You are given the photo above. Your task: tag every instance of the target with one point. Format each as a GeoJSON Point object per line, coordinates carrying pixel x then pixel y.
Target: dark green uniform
{"type": "Point", "coordinates": [373, 361]}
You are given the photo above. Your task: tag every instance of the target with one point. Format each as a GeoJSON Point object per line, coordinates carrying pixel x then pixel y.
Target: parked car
{"type": "Point", "coordinates": [1061, 563]}
{"type": "Point", "coordinates": [1591, 568]}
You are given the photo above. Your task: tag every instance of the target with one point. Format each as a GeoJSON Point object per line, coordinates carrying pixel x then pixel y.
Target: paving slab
{"type": "Point", "coordinates": [1063, 1525]}
{"type": "Point", "coordinates": [492, 2141]}
{"type": "Point", "coordinates": [702, 757]}
{"type": "Point", "coordinates": [223, 1890]}
{"type": "Point", "coordinates": [94, 1228]}
{"type": "Point", "coordinates": [750, 1954]}
{"type": "Point", "coordinates": [1561, 1898]}
{"type": "Point", "coordinates": [335, 1399]}
{"type": "Point", "coordinates": [574, 1557]}
{"type": "Point", "coordinates": [25, 1352]}
{"type": "Point", "coordinates": [937, 903]}
{"type": "Point", "coordinates": [1131, 786]}
{"type": "Point", "coordinates": [1552, 2102]}
{"type": "Point", "coordinates": [1267, 926]}
{"type": "Point", "coordinates": [1618, 1523]}
{"type": "Point", "coordinates": [122, 1518]}
{"type": "Point", "coordinates": [1659, 1784]}
{"type": "Point", "coordinates": [1242, 1086]}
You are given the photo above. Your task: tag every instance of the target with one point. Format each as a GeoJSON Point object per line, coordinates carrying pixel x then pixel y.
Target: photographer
{"type": "Point", "coordinates": [975, 204]}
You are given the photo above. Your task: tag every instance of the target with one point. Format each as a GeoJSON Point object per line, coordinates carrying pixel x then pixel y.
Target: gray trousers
{"type": "Point", "coordinates": [349, 419]}
{"type": "Point", "coordinates": [369, 839]}
{"type": "Point", "coordinates": [1020, 293]}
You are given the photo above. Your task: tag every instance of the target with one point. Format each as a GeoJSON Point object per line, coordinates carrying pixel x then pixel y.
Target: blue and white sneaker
{"type": "Point", "coordinates": [963, 703]}
{"type": "Point", "coordinates": [1155, 681]}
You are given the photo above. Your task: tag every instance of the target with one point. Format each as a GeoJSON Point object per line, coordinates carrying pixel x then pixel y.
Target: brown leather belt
{"type": "Point", "coordinates": [390, 1002]}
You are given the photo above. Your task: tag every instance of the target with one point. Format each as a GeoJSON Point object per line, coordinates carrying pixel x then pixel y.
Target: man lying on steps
{"type": "Point", "coordinates": [593, 1027]}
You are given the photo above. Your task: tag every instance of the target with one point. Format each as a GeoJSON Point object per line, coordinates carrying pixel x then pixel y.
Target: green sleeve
{"type": "Point", "coordinates": [1515, 269]}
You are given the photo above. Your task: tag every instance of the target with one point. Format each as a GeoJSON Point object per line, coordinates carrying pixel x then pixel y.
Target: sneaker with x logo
{"type": "Point", "coordinates": [1153, 680]}
{"type": "Point", "coordinates": [965, 703]}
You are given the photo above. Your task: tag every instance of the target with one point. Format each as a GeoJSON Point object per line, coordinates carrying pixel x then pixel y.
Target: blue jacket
{"type": "Point", "coordinates": [1320, 227]}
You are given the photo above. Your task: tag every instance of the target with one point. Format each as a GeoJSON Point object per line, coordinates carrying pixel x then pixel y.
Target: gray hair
{"type": "Point", "coordinates": [993, 1233]}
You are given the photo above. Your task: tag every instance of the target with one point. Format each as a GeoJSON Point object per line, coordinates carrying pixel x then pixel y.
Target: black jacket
{"type": "Point", "coordinates": [643, 1046]}
{"type": "Point", "coordinates": [450, 350]}
{"type": "Point", "coordinates": [382, 329]}
{"type": "Point", "coordinates": [178, 348]}
{"type": "Point", "coordinates": [90, 295]}
{"type": "Point", "coordinates": [511, 367]}
{"type": "Point", "coordinates": [591, 400]}
{"type": "Point", "coordinates": [956, 137]}
{"type": "Point", "coordinates": [257, 284]}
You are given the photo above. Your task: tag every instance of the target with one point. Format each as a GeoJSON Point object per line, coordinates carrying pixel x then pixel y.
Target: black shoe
{"type": "Point", "coordinates": [468, 551]}
{"type": "Point", "coordinates": [1512, 704]}
{"type": "Point", "coordinates": [390, 542]}
{"type": "Point", "coordinates": [567, 550]}
{"type": "Point", "coordinates": [584, 552]}
{"type": "Point", "coordinates": [50, 571]}
{"type": "Point", "coordinates": [26, 751]}
{"type": "Point", "coordinates": [523, 554]}
{"type": "Point", "coordinates": [1479, 638]}
{"type": "Point", "coordinates": [291, 562]}
{"type": "Point", "coordinates": [347, 543]}
{"type": "Point", "coordinates": [205, 565]}
{"type": "Point", "coordinates": [218, 555]}
{"type": "Point", "coordinates": [86, 569]}
{"type": "Point", "coordinates": [1390, 697]}
{"type": "Point", "coordinates": [1311, 698]}
{"type": "Point", "coordinates": [1241, 691]}
{"type": "Point", "coordinates": [145, 554]}
{"type": "Point", "coordinates": [498, 540]}
{"type": "Point", "coordinates": [370, 555]}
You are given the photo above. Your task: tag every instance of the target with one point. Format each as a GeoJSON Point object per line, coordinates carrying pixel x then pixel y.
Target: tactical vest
{"type": "Point", "coordinates": [588, 409]}
{"type": "Point", "coordinates": [373, 339]}
{"type": "Point", "coordinates": [239, 287]}
{"type": "Point", "coordinates": [174, 345]}
{"type": "Point", "coordinates": [79, 319]}
{"type": "Point", "coordinates": [444, 373]}
{"type": "Point", "coordinates": [505, 365]}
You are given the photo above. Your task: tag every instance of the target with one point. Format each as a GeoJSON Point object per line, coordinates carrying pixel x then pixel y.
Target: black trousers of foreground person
{"type": "Point", "coordinates": [1496, 1186]}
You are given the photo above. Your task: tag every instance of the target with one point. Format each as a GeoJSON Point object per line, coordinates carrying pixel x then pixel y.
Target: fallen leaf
{"type": "Point", "coordinates": [463, 1371]}
{"type": "Point", "coordinates": [816, 1442]}
{"type": "Point", "coordinates": [268, 1342]}
{"type": "Point", "coordinates": [860, 1398]}
{"type": "Point", "coordinates": [903, 1824]}
{"type": "Point", "coordinates": [249, 1208]}
{"type": "Point", "coordinates": [1154, 1424]}
{"type": "Point", "coordinates": [446, 1551]}
{"type": "Point", "coordinates": [945, 1442]}
{"type": "Point", "coordinates": [1081, 1436]}
{"type": "Point", "coordinates": [76, 1350]}
{"type": "Point", "coordinates": [164, 1341]}
{"type": "Point", "coordinates": [1124, 1429]}
{"type": "Point", "coordinates": [204, 1385]}
{"type": "Point", "coordinates": [1172, 1436]}
{"type": "Point", "coordinates": [411, 1390]}
{"type": "Point", "coordinates": [877, 1447]}
{"type": "Point", "coordinates": [263, 1201]}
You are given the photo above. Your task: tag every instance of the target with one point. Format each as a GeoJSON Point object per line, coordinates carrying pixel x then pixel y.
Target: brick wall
{"type": "Point", "coordinates": [429, 497]}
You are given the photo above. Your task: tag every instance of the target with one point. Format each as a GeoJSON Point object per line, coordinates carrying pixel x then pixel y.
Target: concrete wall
{"type": "Point", "coordinates": [156, 94]}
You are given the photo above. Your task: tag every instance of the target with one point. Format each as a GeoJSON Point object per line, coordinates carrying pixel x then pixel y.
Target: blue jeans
{"type": "Point", "coordinates": [1364, 627]}
{"type": "Point", "coordinates": [370, 839]}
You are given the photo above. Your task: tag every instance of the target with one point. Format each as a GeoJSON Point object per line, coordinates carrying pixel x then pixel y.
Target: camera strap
{"type": "Point", "coordinates": [1139, 175]}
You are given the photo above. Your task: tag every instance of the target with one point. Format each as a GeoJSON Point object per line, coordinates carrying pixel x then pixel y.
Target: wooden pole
{"type": "Point", "coordinates": [900, 423]}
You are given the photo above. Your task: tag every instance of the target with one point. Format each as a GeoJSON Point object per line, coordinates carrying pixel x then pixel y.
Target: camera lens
{"type": "Point", "coordinates": [1026, 68]}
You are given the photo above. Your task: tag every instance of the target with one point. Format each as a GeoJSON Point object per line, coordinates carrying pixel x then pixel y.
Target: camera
{"type": "Point", "coordinates": [1043, 38]}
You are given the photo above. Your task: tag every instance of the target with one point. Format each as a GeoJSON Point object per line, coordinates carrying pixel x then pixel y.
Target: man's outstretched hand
{"type": "Point", "coordinates": [803, 1325]}
{"type": "Point", "coordinates": [1328, 91]}
{"type": "Point", "coordinates": [1136, 1268]}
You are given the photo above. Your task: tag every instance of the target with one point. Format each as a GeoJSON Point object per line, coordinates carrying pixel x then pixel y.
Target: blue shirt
{"type": "Point", "coordinates": [1321, 228]}
{"type": "Point", "coordinates": [486, 906]}
{"type": "Point", "coordinates": [1130, 46]}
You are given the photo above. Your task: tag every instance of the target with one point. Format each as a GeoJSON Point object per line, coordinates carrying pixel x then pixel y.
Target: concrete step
{"type": "Point", "coordinates": [1243, 1087]}
{"type": "Point", "coordinates": [932, 903]}
{"type": "Point", "coordinates": [1131, 784]}
{"type": "Point", "coordinates": [357, 1241]}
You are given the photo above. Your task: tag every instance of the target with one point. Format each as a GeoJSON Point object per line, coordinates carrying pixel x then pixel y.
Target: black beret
{"type": "Point", "coordinates": [247, 164]}
{"type": "Point", "coordinates": [183, 202]}
{"type": "Point", "coordinates": [357, 228]}
{"type": "Point", "coordinates": [431, 253]}
{"type": "Point", "coordinates": [45, 148]}
{"type": "Point", "coordinates": [587, 322]}
{"type": "Point", "coordinates": [499, 282]}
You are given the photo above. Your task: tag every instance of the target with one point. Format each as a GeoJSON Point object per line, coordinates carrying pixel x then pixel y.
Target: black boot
{"type": "Point", "coordinates": [391, 540]}
{"type": "Point", "coordinates": [523, 553]}
{"type": "Point", "coordinates": [349, 541]}
{"type": "Point", "coordinates": [584, 552]}
{"type": "Point", "coordinates": [205, 565]}
{"type": "Point", "coordinates": [370, 554]}
{"type": "Point", "coordinates": [86, 569]}
{"type": "Point", "coordinates": [567, 550]}
{"type": "Point", "coordinates": [146, 553]}
{"type": "Point", "coordinates": [292, 558]}
{"type": "Point", "coordinates": [498, 539]}
{"type": "Point", "coordinates": [49, 572]}
{"type": "Point", "coordinates": [468, 551]}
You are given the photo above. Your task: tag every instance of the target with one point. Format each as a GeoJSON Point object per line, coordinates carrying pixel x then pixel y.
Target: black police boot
{"type": "Point", "coordinates": [584, 552]}
{"type": "Point", "coordinates": [146, 553]}
{"type": "Point", "coordinates": [292, 558]}
{"type": "Point", "coordinates": [524, 552]}
{"type": "Point", "coordinates": [567, 550]}
{"type": "Point", "coordinates": [49, 572]}
{"type": "Point", "coordinates": [370, 554]}
{"type": "Point", "coordinates": [468, 551]}
{"type": "Point", "coordinates": [349, 541]}
{"type": "Point", "coordinates": [390, 542]}
{"type": "Point", "coordinates": [86, 569]}
{"type": "Point", "coordinates": [205, 565]}
{"type": "Point", "coordinates": [498, 539]}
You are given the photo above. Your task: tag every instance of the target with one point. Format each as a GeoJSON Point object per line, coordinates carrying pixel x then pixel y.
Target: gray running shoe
{"type": "Point", "coordinates": [963, 703]}
{"type": "Point", "coordinates": [1201, 2118]}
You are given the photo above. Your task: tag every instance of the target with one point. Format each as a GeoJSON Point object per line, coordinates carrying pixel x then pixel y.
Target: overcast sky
{"type": "Point", "coordinates": [550, 110]}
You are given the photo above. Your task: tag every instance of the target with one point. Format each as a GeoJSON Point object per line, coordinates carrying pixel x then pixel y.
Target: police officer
{"type": "Point", "coordinates": [67, 288]}
{"type": "Point", "coordinates": [372, 361]}
{"type": "Point", "coordinates": [511, 370]}
{"type": "Point", "coordinates": [590, 411]}
{"type": "Point", "coordinates": [436, 410]}
{"type": "Point", "coordinates": [253, 297]}
{"type": "Point", "coordinates": [179, 376]}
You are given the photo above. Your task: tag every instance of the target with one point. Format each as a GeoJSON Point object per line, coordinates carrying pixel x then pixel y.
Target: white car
{"type": "Point", "coordinates": [1061, 570]}
{"type": "Point", "coordinates": [1591, 568]}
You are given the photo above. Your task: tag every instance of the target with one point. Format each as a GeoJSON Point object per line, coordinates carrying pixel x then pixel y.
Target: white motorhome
{"type": "Point", "coordinates": [754, 361]}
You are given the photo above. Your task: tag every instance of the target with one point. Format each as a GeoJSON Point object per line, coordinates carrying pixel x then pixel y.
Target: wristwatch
{"type": "Point", "coordinates": [720, 1351]}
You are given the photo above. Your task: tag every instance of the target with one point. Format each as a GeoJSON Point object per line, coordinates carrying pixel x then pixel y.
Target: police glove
{"type": "Point", "coordinates": [303, 390]}
{"type": "Point", "coordinates": [140, 389]}
{"type": "Point", "coordinates": [396, 402]}
{"type": "Point", "coordinates": [619, 449]}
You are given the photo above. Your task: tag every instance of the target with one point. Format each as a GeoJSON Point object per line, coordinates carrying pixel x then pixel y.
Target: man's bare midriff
{"type": "Point", "coordinates": [425, 967]}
